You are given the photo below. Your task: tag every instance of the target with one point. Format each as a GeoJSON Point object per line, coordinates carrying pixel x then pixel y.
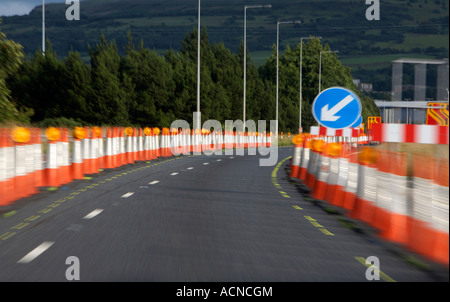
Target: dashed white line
{"type": "Point", "coordinates": [93, 214]}
{"type": "Point", "coordinates": [127, 194]}
{"type": "Point", "coordinates": [174, 173]}
{"type": "Point", "coordinates": [36, 252]}
{"type": "Point", "coordinates": [153, 182]}
{"type": "Point", "coordinates": [190, 168]}
{"type": "Point", "coordinates": [205, 164]}
{"type": "Point", "coordinates": [219, 159]}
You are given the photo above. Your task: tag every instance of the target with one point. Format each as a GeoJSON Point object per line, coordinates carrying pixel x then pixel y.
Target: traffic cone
{"type": "Point", "coordinates": [51, 171]}
{"type": "Point", "coordinates": [351, 185]}
{"type": "Point", "coordinates": [364, 206]}
{"type": "Point", "coordinates": [304, 161]}
{"type": "Point", "coordinates": [7, 160]}
{"type": "Point", "coordinates": [37, 155]}
{"type": "Point", "coordinates": [295, 165]}
{"type": "Point", "coordinates": [440, 210]}
{"type": "Point", "coordinates": [64, 157]}
{"type": "Point", "coordinates": [336, 194]}
{"type": "Point", "coordinates": [109, 156]}
{"type": "Point", "coordinates": [390, 213]}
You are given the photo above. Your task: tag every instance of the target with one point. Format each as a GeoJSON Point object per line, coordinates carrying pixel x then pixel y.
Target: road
{"type": "Point", "coordinates": [187, 218]}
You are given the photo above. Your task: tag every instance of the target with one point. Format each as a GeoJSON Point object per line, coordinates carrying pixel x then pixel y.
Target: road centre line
{"type": "Point", "coordinates": [36, 252]}
{"type": "Point", "coordinates": [127, 194]}
{"type": "Point", "coordinates": [174, 173]}
{"type": "Point", "coordinates": [153, 182]}
{"type": "Point", "coordinates": [93, 214]}
{"type": "Point", "coordinates": [70, 196]}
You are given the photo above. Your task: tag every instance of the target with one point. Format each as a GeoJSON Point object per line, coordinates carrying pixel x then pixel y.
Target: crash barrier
{"type": "Point", "coordinates": [31, 158]}
{"type": "Point", "coordinates": [408, 205]}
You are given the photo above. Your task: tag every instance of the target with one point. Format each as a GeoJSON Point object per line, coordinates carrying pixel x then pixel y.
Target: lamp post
{"type": "Point", "coordinates": [320, 63]}
{"type": "Point", "coordinates": [245, 54]}
{"type": "Point", "coordinates": [198, 116]}
{"type": "Point", "coordinates": [301, 67]}
{"type": "Point", "coordinates": [278, 42]}
{"type": "Point", "coordinates": [43, 27]}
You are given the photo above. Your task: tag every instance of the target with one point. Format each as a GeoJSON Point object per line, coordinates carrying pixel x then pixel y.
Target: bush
{"type": "Point", "coordinates": [60, 122]}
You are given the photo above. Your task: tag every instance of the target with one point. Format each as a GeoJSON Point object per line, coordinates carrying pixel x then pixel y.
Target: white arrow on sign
{"type": "Point", "coordinates": [329, 115]}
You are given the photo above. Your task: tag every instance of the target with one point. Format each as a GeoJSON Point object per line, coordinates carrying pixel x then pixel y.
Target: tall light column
{"type": "Point", "coordinates": [43, 27]}
{"type": "Point", "coordinates": [198, 117]}
{"type": "Point", "coordinates": [301, 84]}
{"type": "Point", "coordinates": [245, 55]}
{"type": "Point", "coordinates": [320, 63]}
{"type": "Point", "coordinates": [278, 42]}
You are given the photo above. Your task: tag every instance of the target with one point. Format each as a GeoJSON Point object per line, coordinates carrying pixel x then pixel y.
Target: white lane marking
{"type": "Point", "coordinates": [174, 173]}
{"type": "Point", "coordinates": [127, 195]}
{"type": "Point", "coordinates": [93, 214]}
{"type": "Point", "coordinates": [36, 252]}
{"type": "Point", "coordinates": [190, 168]}
{"type": "Point", "coordinates": [205, 164]}
{"type": "Point", "coordinates": [219, 159]}
{"type": "Point", "coordinates": [153, 182]}
{"type": "Point", "coordinates": [231, 157]}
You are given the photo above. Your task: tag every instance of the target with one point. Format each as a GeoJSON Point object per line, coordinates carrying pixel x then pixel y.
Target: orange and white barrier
{"type": "Point", "coordinates": [391, 211]}
{"type": "Point", "coordinates": [7, 192]}
{"type": "Point", "coordinates": [373, 186]}
{"type": "Point", "coordinates": [295, 165]}
{"type": "Point", "coordinates": [401, 133]}
{"type": "Point", "coordinates": [51, 169]}
{"type": "Point", "coordinates": [364, 206]}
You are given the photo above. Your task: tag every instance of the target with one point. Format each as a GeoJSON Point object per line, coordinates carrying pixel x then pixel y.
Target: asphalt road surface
{"type": "Point", "coordinates": [187, 218]}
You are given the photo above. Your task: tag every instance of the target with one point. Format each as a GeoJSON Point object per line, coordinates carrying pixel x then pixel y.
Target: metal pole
{"type": "Point", "coordinates": [301, 84]}
{"type": "Point", "coordinates": [278, 38]}
{"type": "Point", "coordinates": [245, 64]}
{"type": "Point", "coordinates": [320, 68]}
{"type": "Point", "coordinates": [198, 69]}
{"type": "Point", "coordinates": [276, 106]}
{"type": "Point", "coordinates": [245, 56]}
{"type": "Point", "coordinates": [320, 63]}
{"type": "Point", "coordinates": [43, 27]}
{"type": "Point", "coordinates": [300, 102]}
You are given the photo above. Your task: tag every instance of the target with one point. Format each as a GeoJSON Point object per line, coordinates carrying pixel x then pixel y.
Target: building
{"type": "Point", "coordinates": [407, 111]}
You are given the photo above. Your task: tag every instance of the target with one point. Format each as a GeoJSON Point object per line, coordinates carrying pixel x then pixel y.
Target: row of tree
{"type": "Point", "coordinates": [141, 87]}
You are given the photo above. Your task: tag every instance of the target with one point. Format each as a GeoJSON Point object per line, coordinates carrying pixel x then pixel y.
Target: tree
{"type": "Point", "coordinates": [11, 56]}
{"type": "Point", "coordinates": [107, 102]}
{"type": "Point", "coordinates": [333, 74]}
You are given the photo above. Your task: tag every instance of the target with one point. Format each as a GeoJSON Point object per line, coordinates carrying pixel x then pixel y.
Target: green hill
{"type": "Point", "coordinates": [409, 28]}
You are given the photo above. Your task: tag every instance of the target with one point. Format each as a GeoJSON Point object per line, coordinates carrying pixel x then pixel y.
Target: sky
{"type": "Point", "coordinates": [21, 7]}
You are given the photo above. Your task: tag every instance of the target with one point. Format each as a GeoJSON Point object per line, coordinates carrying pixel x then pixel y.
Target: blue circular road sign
{"type": "Point", "coordinates": [337, 108]}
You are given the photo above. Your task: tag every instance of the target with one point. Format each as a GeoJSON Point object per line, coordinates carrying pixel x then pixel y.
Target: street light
{"type": "Point", "coordinates": [245, 53]}
{"type": "Point", "coordinates": [198, 116]}
{"type": "Point", "coordinates": [278, 38]}
{"type": "Point", "coordinates": [43, 27]}
{"type": "Point", "coordinates": [320, 62]}
{"type": "Point", "coordinates": [301, 67]}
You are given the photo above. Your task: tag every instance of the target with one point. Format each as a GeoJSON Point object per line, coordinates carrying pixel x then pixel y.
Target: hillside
{"type": "Point", "coordinates": [409, 28]}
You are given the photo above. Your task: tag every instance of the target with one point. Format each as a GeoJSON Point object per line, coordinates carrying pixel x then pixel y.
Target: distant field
{"type": "Point", "coordinates": [412, 41]}
{"type": "Point", "coordinates": [373, 62]}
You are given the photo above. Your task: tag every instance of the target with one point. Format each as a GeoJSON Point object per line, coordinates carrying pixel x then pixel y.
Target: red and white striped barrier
{"type": "Point", "coordinates": [402, 133]}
